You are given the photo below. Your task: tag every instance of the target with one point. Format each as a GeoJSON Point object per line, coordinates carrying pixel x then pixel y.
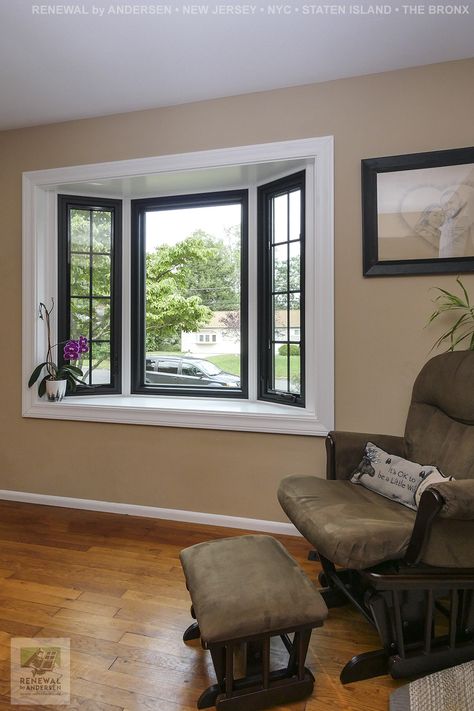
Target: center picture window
{"type": "Point", "coordinates": [189, 285]}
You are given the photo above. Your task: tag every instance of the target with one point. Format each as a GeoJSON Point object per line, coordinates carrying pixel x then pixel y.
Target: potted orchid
{"type": "Point", "coordinates": [58, 379]}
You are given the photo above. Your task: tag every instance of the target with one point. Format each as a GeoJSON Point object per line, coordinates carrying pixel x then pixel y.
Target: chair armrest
{"type": "Point", "coordinates": [429, 509]}
{"type": "Point", "coordinates": [458, 498]}
{"type": "Point", "coordinates": [345, 450]}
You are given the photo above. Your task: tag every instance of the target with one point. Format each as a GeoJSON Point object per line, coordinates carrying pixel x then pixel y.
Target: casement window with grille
{"type": "Point", "coordinates": [89, 286]}
{"type": "Point", "coordinates": [281, 241]}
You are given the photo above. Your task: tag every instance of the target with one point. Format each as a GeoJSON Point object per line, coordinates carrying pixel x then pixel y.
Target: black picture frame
{"type": "Point", "coordinates": [373, 265]}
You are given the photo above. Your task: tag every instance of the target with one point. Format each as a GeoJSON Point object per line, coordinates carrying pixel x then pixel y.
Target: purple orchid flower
{"type": "Point", "coordinates": [73, 349]}
{"type": "Point", "coordinates": [83, 344]}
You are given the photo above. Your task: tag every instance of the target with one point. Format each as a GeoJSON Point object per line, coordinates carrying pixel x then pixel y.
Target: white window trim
{"type": "Point", "coordinates": [40, 283]}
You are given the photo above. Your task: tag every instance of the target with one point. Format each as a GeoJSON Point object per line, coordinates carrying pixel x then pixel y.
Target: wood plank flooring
{"type": "Point", "coordinates": [113, 585]}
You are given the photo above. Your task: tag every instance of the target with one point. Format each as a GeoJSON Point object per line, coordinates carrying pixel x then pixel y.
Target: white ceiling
{"type": "Point", "coordinates": [185, 181]}
{"type": "Point", "coordinates": [60, 67]}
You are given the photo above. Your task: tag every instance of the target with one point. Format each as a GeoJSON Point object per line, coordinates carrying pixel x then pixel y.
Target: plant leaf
{"type": "Point", "coordinates": [452, 298]}
{"type": "Point", "coordinates": [466, 295]}
{"type": "Point", "coordinates": [36, 373]}
{"type": "Point", "coordinates": [74, 369]}
{"type": "Point", "coordinates": [459, 340]}
{"type": "Point", "coordinates": [42, 386]}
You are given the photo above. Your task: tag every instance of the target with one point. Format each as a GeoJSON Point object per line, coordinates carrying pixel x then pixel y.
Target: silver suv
{"type": "Point", "coordinates": [187, 371]}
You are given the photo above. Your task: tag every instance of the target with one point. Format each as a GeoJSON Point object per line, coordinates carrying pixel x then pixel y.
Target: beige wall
{"type": "Point", "coordinates": [380, 340]}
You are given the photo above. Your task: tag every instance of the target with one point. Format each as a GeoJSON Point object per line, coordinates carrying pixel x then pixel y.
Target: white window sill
{"type": "Point", "coordinates": [203, 413]}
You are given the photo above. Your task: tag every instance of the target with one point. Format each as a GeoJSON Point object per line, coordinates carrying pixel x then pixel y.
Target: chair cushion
{"type": "Point", "coordinates": [246, 586]}
{"type": "Point", "coordinates": [347, 524]}
{"type": "Point", "coordinates": [440, 424]}
{"type": "Point", "coordinates": [394, 477]}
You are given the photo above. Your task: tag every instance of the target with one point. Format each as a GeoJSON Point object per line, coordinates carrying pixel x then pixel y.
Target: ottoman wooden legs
{"type": "Point", "coordinates": [260, 687]}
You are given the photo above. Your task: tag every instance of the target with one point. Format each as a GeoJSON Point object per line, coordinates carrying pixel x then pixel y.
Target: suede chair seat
{"type": "Point", "coordinates": [349, 525]}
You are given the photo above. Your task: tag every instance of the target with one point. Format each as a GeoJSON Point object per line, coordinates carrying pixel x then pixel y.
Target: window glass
{"type": "Point", "coordinates": [89, 285]}
{"type": "Point", "coordinates": [191, 250]}
{"type": "Point", "coordinates": [281, 320]}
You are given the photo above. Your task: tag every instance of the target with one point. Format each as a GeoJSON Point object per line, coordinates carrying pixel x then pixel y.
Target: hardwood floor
{"type": "Point", "coordinates": [113, 585]}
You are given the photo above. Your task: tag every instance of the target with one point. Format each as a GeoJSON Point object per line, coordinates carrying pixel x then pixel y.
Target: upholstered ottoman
{"type": "Point", "coordinates": [247, 590]}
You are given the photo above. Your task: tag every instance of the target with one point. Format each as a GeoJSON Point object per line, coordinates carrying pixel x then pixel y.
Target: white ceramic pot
{"type": "Point", "coordinates": [55, 390]}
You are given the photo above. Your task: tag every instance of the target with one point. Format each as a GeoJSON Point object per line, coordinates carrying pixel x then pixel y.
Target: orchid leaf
{"type": "Point", "coordinates": [74, 368]}
{"type": "Point", "coordinates": [36, 373]}
{"type": "Point", "coordinates": [42, 386]}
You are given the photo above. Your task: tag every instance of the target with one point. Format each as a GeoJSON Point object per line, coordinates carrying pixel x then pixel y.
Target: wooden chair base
{"type": "Point", "coordinates": [192, 632]}
{"type": "Point", "coordinates": [280, 692]}
{"type": "Point", "coordinates": [260, 688]}
{"type": "Point", "coordinates": [248, 694]}
{"type": "Point", "coordinates": [401, 602]}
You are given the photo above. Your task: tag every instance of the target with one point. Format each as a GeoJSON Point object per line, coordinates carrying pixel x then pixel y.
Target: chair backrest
{"type": "Point", "coordinates": [440, 423]}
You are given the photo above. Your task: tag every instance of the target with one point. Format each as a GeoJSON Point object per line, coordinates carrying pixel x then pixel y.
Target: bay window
{"type": "Point", "coordinates": [203, 282]}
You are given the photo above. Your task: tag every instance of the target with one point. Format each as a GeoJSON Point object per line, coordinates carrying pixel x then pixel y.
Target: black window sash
{"type": "Point", "coordinates": [139, 208]}
{"type": "Point", "coordinates": [66, 203]}
{"type": "Point", "coordinates": [266, 336]}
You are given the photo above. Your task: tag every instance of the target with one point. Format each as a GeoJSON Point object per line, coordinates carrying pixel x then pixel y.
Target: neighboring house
{"type": "Point", "coordinates": [216, 338]}
{"type": "Point", "coordinates": [221, 335]}
{"type": "Point", "coordinates": [281, 328]}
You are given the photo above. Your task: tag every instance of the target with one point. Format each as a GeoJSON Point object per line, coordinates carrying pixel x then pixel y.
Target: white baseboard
{"type": "Point", "coordinates": [249, 524]}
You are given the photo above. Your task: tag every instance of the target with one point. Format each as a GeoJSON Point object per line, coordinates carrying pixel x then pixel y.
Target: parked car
{"type": "Point", "coordinates": [187, 371]}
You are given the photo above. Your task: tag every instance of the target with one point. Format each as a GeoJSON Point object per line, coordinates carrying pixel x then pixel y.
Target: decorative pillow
{"type": "Point", "coordinates": [394, 477]}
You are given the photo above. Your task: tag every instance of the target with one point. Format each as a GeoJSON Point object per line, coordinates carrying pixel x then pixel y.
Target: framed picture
{"type": "Point", "coordinates": [418, 213]}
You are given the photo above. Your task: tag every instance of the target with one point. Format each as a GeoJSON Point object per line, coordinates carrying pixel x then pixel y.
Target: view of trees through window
{"type": "Point", "coordinates": [90, 255]}
{"type": "Point", "coordinates": [282, 321]}
{"type": "Point", "coordinates": [193, 296]}
{"type": "Point", "coordinates": [189, 291]}
{"type": "Point", "coordinates": [286, 291]}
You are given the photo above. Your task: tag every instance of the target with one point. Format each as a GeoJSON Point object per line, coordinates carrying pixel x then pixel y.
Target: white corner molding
{"type": "Point", "coordinates": [207, 519]}
{"type": "Point", "coordinates": [40, 190]}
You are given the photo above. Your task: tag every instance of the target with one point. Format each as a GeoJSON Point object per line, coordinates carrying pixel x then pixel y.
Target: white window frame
{"type": "Point", "coordinates": [40, 284]}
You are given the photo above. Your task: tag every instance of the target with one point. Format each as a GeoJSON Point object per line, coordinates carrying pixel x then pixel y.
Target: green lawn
{"type": "Point", "coordinates": [231, 364]}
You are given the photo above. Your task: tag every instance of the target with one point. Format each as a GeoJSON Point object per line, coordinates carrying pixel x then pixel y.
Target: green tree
{"type": "Point", "coordinates": [90, 242]}
{"type": "Point", "coordinates": [185, 282]}
{"type": "Point", "coordinates": [216, 280]}
{"type": "Point", "coordinates": [169, 307]}
{"type": "Point", "coordinates": [280, 280]}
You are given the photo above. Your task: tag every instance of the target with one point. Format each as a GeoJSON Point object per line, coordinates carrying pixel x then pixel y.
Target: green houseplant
{"type": "Point", "coordinates": [463, 312]}
{"type": "Point", "coordinates": [57, 380]}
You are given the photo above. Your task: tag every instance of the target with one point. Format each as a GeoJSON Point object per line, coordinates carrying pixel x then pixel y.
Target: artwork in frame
{"type": "Point", "coordinates": [418, 213]}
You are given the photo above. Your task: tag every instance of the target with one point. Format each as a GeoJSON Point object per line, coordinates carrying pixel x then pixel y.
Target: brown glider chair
{"type": "Point", "coordinates": [411, 574]}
